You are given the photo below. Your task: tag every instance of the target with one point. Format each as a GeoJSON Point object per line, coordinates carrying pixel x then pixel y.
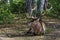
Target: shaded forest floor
{"type": "Point", "coordinates": [19, 27]}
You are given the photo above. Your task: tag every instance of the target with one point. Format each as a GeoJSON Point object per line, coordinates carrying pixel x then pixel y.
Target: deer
{"type": "Point", "coordinates": [37, 27]}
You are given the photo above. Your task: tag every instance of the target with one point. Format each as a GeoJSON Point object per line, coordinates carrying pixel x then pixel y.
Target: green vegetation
{"type": "Point", "coordinates": [8, 11]}
{"type": "Point", "coordinates": [55, 11]}
{"type": "Point", "coordinates": [6, 15]}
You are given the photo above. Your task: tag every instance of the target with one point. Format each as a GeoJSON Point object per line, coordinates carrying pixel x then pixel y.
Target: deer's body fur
{"type": "Point", "coordinates": [36, 26]}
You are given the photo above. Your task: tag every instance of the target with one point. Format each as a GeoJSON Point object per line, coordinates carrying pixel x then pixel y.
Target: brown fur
{"type": "Point", "coordinates": [36, 26]}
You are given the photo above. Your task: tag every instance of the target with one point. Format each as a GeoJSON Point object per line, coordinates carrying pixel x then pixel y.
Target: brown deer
{"type": "Point", "coordinates": [36, 26]}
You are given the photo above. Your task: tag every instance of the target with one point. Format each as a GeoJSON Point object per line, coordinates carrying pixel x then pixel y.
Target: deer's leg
{"type": "Point", "coordinates": [44, 29]}
{"type": "Point", "coordinates": [30, 31]}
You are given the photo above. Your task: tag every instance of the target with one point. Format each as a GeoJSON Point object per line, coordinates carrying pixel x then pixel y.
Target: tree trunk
{"type": "Point", "coordinates": [46, 4]}
{"type": "Point", "coordinates": [41, 6]}
{"type": "Point", "coordinates": [29, 7]}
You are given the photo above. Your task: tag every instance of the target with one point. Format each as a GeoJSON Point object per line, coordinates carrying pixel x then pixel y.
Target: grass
{"type": "Point", "coordinates": [49, 30]}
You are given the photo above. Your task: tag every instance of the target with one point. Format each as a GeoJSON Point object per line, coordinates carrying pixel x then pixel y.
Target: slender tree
{"type": "Point", "coordinates": [29, 7]}
{"type": "Point", "coordinates": [41, 6]}
{"type": "Point", "coordinates": [46, 4]}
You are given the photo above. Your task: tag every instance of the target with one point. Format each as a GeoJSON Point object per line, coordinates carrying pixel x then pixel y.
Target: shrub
{"type": "Point", "coordinates": [5, 14]}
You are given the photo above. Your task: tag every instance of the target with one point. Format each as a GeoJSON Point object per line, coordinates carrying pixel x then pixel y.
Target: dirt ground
{"type": "Point", "coordinates": [14, 32]}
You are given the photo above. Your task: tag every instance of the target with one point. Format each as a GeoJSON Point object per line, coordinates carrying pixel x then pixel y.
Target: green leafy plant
{"type": "Point", "coordinates": [5, 14]}
{"type": "Point", "coordinates": [55, 11]}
